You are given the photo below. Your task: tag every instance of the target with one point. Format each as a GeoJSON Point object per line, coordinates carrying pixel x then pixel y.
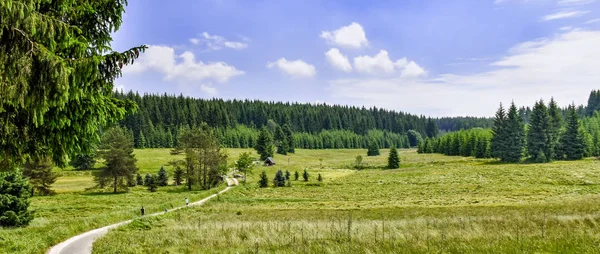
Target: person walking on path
{"type": "Point", "coordinates": [187, 201]}
{"type": "Point", "coordinates": [142, 211]}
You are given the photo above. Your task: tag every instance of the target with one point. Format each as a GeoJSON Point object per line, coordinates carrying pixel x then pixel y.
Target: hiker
{"type": "Point", "coordinates": [187, 201]}
{"type": "Point", "coordinates": [165, 210]}
{"type": "Point", "coordinates": [143, 211]}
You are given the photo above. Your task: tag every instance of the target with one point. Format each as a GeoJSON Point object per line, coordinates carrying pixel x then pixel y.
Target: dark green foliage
{"type": "Point", "coordinates": [414, 138]}
{"type": "Point", "coordinates": [296, 176]}
{"type": "Point", "coordinates": [264, 181]}
{"type": "Point", "coordinates": [538, 140]}
{"type": "Point", "coordinates": [83, 161]}
{"type": "Point", "coordinates": [451, 143]}
{"type": "Point", "coordinates": [393, 159]}
{"type": "Point", "coordinates": [178, 175]}
{"type": "Point", "coordinates": [57, 73]}
{"type": "Point", "coordinates": [451, 124]}
{"type": "Point", "coordinates": [153, 183]}
{"type": "Point", "coordinates": [289, 138]}
{"type": "Point", "coordinates": [141, 141]}
{"type": "Point", "coordinates": [14, 199]}
{"type": "Point", "coordinates": [358, 162]}
{"type": "Point", "coordinates": [139, 180]}
{"type": "Point", "coordinates": [305, 175]}
{"type": "Point", "coordinates": [498, 142]}
{"type": "Point", "coordinates": [515, 138]}
{"type": "Point", "coordinates": [555, 128]}
{"type": "Point", "coordinates": [572, 142]}
{"type": "Point", "coordinates": [117, 152]}
{"type": "Point", "coordinates": [281, 141]}
{"type": "Point", "coordinates": [244, 164]}
{"type": "Point", "coordinates": [163, 177]}
{"type": "Point", "coordinates": [287, 175]}
{"type": "Point", "coordinates": [279, 180]}
{"type": "Point", "coordinates": [320, 178]}
{"type": "Point", "coordinates": [264, 144]}
{"type": "Point", "coordinates": [431, 129]}
{"type": "Point", "coordinates": [373, 148]}
{"type": "Point", "coordinates": [593, 103]}
{"type": "Point", "coordinates": [40, 175]}
{"type": "Point", "coordinates": [147, 179]}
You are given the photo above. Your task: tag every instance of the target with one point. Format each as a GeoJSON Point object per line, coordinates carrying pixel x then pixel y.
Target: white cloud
{"type": "Point", "coordinates": [184, 67]}
{"type": "Point", "coordinates": [564, 66]}
{"type": "Point", "coordinates": [592, 21]}
{"type": "Point", "coordinates": [382, 64]}
{"type": "Point", "coordinates": [351, 36]}
{"type": "Point", "coordinates": [297, 68]}
{"type": "Point", "coordinates": [575, 2]}
{"type": "Point", "coordinates": [563, 15]}
{"type": "Point", "coordinates": [338, 60]}
{"type": "Point", "coordinates": [216, 42]}
{"type": "Point", "coordinates": [208, 89]}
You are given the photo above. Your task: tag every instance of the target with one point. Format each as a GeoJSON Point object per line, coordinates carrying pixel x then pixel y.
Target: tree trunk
{"type": "Point", "coordinates": [115, 184]}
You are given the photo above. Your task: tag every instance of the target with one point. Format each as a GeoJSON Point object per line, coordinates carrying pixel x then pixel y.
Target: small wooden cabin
{"type": "Point", "coordinates": [269, 161]}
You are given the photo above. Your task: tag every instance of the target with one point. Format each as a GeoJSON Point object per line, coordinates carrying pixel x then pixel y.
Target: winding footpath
{"type": "Point", "coordinates": [82, 243]}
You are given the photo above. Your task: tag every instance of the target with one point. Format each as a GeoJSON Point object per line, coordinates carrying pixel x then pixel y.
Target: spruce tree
{"type": "Point", "coordinates": [515, 138]}
{"type": "Point", "coordinates": [141, 141]}
{"type": "Point", "coordinates": [572, 139]}
{"type": "Point", "coordinates": [41, 177]}
{"type": "Point", "coordinates": [117, 152]}
{"type": "Point", "coordinates": [281, 141]}
{"type": "Point", "coordinates": [139, 180]}
{"type": "Point", "coordinates": [153, 183]}
{"type": "Point", "coordinates": [305, 175]}
{"type": "Point", "coordinates": [14, 193]}
{"type": "Point", "coordinates": [373, 148]}
{"type": "Point", "coordinates": [320, 178]}
{"type": "Point", "coordinates": [296, 176]}
{"type": "Point", "coordinates": [264, 144]}
{"type": "Point", "coordinates": [393, 159]}
{"type": "Point", "coordinates": [499, 134]}
{"type": "Point", "coordinates": [538, 141]}
{"type": "Point", "coordinates": [287, 175]}
{"type": "Point", "coordinates": [279, 180]}
{"type": "Point", "coordinates": [264, 181]}
{"type": "Point", "coordinates": [163, 177]}
{"type": "Point", "coordinates": [556, 123]}
{"type": "Point", "coordinates": [83, 161]}
{"type": "Point", "coordinates": [289, 138]}
{"type": "Point", "coordinates": [178, 175]}
{"type": "Point", "coordinates": [147, 179]}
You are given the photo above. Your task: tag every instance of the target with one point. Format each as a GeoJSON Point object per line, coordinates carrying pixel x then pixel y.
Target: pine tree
{"type": "Point", "coordinates": [264, 144]}
{"type": "Point", "coordinates": [287, 175]}
{"type": "Point", "coordinates": [373, 148]}
{"type": "Point", "coordinates": [41, 177]}
{"type": "Point", "coordinates": [163, 177]}
{"type": "Point", "coordinates": [83, 161]}
{"type": "Point", "coordinates": [264, 181]}
{"type": "Point", "coordinates": [305, 175]}
{"type": "Point", "coordinates": [538, 142]}
{"type": "Point", "coordinates": [16, 189]}
{"type": "Point", "coordinates": [296, 176]}
{"type": "Point", "coordinates": [117, 152]}
{"type": "Point", "coordinates": [499, 135]}
{"type": "Point", "coordinates": [178, 175]}
{"type": "Point", "coordinates": [281, 141]}
{"type": "Point", "coordinates": [572, 140]}
{"type": "Point", "coordinates": [515, 139]}
{"type": "Point", "coordinates": [432, 128]}
{"type": "Point", "coordinates": [139, 180]}
{"type": "Point", "coordinates": [320, 178]}
{"type": "Point", "coordinates": [141, 141]}
{"type": "Point", "coordinates": [153, 183]}
{"type": "Point", "coordinates": [289, 137]}
{"type": "Point", "coordinates": [393, 159]}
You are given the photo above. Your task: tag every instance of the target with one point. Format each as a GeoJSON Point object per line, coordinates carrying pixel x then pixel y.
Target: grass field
{"type": "Point", "coordinates": [432, 204]}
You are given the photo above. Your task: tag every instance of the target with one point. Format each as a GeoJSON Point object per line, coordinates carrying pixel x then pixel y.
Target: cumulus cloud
{"type": "Point", "coordinates": [216, 42]}
{"type": "Point", "coordinates": [575, 2]}
{"type": "Point", "coordinates": [296, 68]}
{"type": "Point", "coordinates": [184, 67]}
{"type": "Point", "coordinates": [338, 60]}
{"type": "Point", "coordinates": [382, 64]}
{"type": "Point", "coordinates": [351, 36]}
{"type": "Point", "coordinates": [563, 15]}
{"type": "Point", "coordinates": [564, 66]}
{"type": "Point", "coordinates": [208, 89]}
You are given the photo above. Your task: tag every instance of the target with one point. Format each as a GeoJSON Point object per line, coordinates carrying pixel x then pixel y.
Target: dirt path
{"type": "Point", "coordinates": [82, 243]}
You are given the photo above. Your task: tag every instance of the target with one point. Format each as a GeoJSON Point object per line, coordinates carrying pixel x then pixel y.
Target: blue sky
{"type": "Point", "coordinates": [431, 57]}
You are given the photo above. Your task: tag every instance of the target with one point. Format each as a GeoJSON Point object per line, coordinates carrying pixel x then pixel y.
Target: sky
{"type": "Point", "coordinates": [431, 57]}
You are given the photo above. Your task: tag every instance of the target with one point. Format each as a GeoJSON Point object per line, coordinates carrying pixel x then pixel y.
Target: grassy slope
{"type": "Point", "coordinates": [74, 210]}
{"type": "Point", "coordinates": [433, 203]}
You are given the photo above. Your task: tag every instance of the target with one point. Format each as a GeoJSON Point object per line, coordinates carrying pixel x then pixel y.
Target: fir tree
{"type": "Point", "coordinates": [373, 148]}
{"type": "Point", "coordinates": [393, 159]}
{"type": "Point", "coordinates": [289, 138]}
{"type": "Point", "coordinates": [305, 175]}
{"type": "Point", "coordinates": [556, 123]}
{"type": "Point", "coordinates": [141, 141]}
{"type": "Point", "coordinates": [572, 140]}
{"type": "Point", "coordinates": [117, 152]}
{"type": "Point", "coordinates": [281, 141]}
{"type": "Point", "coordinates": [432, 128]}
{"type": "Point", "coordinates": [279, 180]}
{"type": "Point", "coordinates": [83, 161]}
{"type": "Point", "coordinates": [538, 142]}
{"type": "Point", "coordinates": [41, 177]}
{"type": "Point", "coordinates": [287, 175]}
{"type": "Point", "coordinates": [16, 189]}
{"type": "Point", "coordinates": [264, 144]}
{"type": "Point", "coordinates": [264, 181]}
{"type": "Point", "coordinates": [139, 180]}
{"type": "Point", "coordinates": [163, 177]}
{"type": "Point", "coordinates": [296, 176]}
{"type": "Point", "coordinates": [515, 138]}
{"type": "Point", "coordinates": [153, 183]}
{"type": "Point", "coordinates": [147, 179]}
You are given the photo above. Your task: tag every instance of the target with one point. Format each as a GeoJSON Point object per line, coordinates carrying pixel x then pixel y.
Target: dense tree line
{"type": "Point", "coordinates": [473, 142]}
{"type": "Point", "coordinates": [450, 124]}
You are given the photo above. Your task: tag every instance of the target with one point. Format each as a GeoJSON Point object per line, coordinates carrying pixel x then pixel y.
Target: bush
{"type": "Point", "coordinates": [14, 200]}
